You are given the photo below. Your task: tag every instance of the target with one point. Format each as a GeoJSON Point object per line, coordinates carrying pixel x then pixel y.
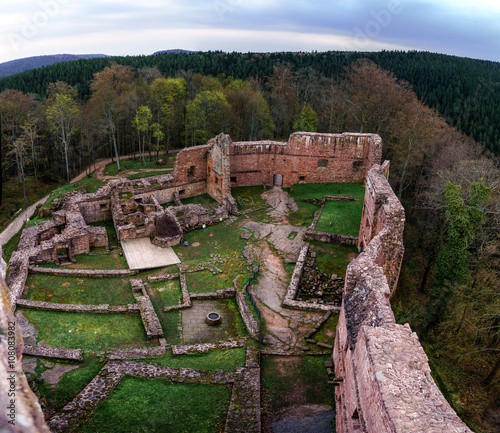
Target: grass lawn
{"type": "Point", "coordinates": [333, 259]}
{"type": "Point", "coordinates": [222, 239]}
{"type": "Point", "coordinates": [206, 282]}
{"type": "Point", "coordinates": [305, 213]}
{"type": "Point", "coordinates": [76, 290]}
{"type": "Point", "coordinates": [166, 293]}
{"type": "Point", "coordinates": [90, 184]}
{"type": "Point", "coordinates": [248, 197]}
{"type": "Point", "coordinates": [217, 359]}
{"type": "Point", "coordinates": [342, 217]}
{"type": "Point", "coordinates": [148, 405]}
{"type": "Point", "coordinates": [326, 334]}
{"type": "Point", "coordinates": [70, 384]}
{"type": "Point", "coordinates": [205, 200]}
{"type": "Point", "coordinates": [90, 332]}
{"type": "Point", "coordinates": [294, 380]}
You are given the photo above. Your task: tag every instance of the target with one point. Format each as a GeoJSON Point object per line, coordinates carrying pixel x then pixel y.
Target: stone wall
{"type": "Point", "coordinates": [20, 409]}
{"type": "Point", "coordinates": [306, 158]}
{"type": "Point", "coordinates": [383, 381]}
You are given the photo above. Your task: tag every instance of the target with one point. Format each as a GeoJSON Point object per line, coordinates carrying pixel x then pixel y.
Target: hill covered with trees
{"type": "Point", "coordinates": [21, 65]}
{"type": "Point", "coordinates": [465, 91]}
{"type": "Point", "coordinates": [447, 182]}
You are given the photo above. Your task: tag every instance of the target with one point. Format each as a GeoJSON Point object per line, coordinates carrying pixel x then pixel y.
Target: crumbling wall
{"type": "Point", "coordinates": [306, 158]}
{"type": "Point", "coordinates": [383, 381]}
{"type": "Point", "coordinates": [20, 409]}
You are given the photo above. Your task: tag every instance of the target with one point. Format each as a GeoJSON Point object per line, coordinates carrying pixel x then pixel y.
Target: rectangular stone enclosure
{"type": "Point", "coordinates": [142, 254]}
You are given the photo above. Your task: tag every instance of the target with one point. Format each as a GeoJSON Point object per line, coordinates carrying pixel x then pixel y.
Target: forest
{"type": "Point", "coordinates": [465, 91]}
{"type": "Point", "coordinates": [68, 115]}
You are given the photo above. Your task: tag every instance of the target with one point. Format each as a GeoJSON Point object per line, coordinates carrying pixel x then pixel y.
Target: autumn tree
{"type": "Point", "coordinates": [63, 115]}
{"type": "Point", "coordinates": [282, 100]}
{"type": "Point", "coordinates": [205, 116]}
{"type": "Point", "coordinates": [14, 109]}
{"type": "Point", "coordinates": [108, 88]}
{"type": "Point", "coordinates": [250, 115]}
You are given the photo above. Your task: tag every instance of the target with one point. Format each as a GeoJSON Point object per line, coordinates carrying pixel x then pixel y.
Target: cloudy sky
{"type": "Point", "coordinates": [121, 27]}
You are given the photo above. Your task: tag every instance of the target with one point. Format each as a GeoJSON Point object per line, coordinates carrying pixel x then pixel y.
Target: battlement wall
{"type": "Point", "coordinates": [383, 381]}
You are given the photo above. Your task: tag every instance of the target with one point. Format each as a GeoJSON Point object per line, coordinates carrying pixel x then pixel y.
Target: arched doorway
{"type": "Point", "coordinates": [278, 180]}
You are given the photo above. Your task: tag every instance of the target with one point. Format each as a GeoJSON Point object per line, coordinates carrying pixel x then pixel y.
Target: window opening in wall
{"type": "Point", "coordinates": [104, 206]}
{"type": "Point", "coordinates": [233, 179]}
{"type": "Point", "coordinates": [302, 178]}
{"type": "Point", "coordinates": [357, 163]}
{"type": "Point", "coordinates": [181, 192]}
{"type": "Point", "coordinates": [322, 162]}
{"type": "Point", "coordinates": [190, 171]}
{"type": "Point", "coordinates": [216, 180]}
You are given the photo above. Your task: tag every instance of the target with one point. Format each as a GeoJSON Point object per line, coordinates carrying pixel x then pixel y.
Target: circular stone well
{"type": "Point", "coordinates": [213, 319]}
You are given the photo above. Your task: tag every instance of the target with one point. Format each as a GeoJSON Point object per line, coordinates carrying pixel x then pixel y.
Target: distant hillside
{"type": "Point", "coordinates": [20, 65]}
{"type": "Point", "coordinates": [174, 51]}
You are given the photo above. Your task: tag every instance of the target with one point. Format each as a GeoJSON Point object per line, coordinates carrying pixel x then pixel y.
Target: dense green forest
{"type": "Point", "coordinates": [448, 183]}
{"type": "Point", "coordinates": [465, 91]}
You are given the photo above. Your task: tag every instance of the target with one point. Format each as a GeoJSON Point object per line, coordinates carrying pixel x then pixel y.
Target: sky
{"type": "Point", "coordinates": [131, 27]}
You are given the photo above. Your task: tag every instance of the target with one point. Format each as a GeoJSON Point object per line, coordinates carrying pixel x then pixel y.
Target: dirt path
{"type": "Point", "coordinates": [18, 222]}
{"type": "Point", "coordinates": [281, 204]}
{"type": "Point", "coordinates": [99, 174]}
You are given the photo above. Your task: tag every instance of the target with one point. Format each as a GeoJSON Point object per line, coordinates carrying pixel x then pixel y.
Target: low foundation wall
{"type": "Point", "coordinates": [331, 238]}
{"type": "Point", "coordinates": [86, 273]}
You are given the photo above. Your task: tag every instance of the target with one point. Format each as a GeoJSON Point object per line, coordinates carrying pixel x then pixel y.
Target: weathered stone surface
{"type": "Point", "coordinates": [85, 273]}
{"type": "Point", "coordinates": [383, 381]}
{"type": "Point", "coordinates": [149, 318]}
{"type": "Point", "coordinates": [244, 410]}
{"type": "Point", "coordinates": [25, 416]}
{"type": "Point", "coordinates": [54, 352]}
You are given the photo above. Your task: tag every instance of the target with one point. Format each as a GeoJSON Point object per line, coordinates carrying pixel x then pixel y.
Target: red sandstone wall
{"type": "Point", "coordinates": [383, 376]}
{"type": "Point", "coordinates": [347, 157]}
{"type": "Point", "coordinates": [191, 157]}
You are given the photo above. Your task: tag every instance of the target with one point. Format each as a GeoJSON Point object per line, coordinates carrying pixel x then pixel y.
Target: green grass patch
{"type": "Point", "coordinates": [292, 235]}
{"type": "Point", "coordinates": [163, 294]}
{"type": "Point", "coordinates": [167, 293]}
{"type": "Point", "coordinates": [248, 197]}
{"type": "Point", "coordinates": [205, 200]}
{"type": "Point", "coordinates": [342, 217]}
{"type": "Point", "coordinates": [326, 334]}
{"type": "Point", "coordinates": [70, 384]}
{"type": "Point", "coordinates": [76, 290]}
{"type": "Point", "coordinates": [206, 282]}
{"type": "Point", "coordinates": [333, 259]}
{"type": "Point", "coordinates": [289, 381]}
{"type": "Point", "coordinates": [160, 406]}
{"type": "Point", "coordinates": [305, 213]}
{"type": "Point", "coordinates": [90, 184]}
{"type": "Point", "coordinates": [90, 332]}
{"type": "Point", "coordinates": [11, 246]}
{"type": "Point", "coordinates": [217, 359]}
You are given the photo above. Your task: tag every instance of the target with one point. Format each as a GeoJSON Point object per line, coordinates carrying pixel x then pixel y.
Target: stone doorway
{"type": "Point", "coordinates": [62, 255]}
{"type": "Point", "coordinates": [278, 180]}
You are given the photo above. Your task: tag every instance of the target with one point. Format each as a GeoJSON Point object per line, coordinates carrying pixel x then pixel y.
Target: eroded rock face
{"type": "Point", "coordinates": [20, 409]}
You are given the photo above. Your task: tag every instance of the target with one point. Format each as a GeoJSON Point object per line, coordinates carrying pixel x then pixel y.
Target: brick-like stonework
{"type": "Point", "coordinates": [383, 381]}
{"type": "Point", "coordinates": [54, 352]}
{"type": "Point", "coordinates": [149, 318]}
